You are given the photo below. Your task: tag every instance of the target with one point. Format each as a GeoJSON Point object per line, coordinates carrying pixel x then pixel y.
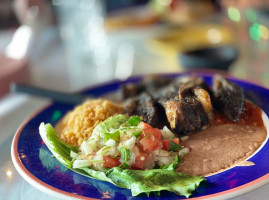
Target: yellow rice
{"type": "Point", "coordinates": [78, 124]}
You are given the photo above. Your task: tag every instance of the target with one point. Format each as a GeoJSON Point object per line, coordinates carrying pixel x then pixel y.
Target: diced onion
{"type": "Point", "coordinates": [132, 159]}
{"type": "Point", "coordinates": [166, 133]}
{"type": "Point", "coordinates": [81, 163]}
{"type": "Point", "coordinates": [149, 161]}
{"type": "Point", "coordinates": [129, 144]}
{"type": "Point", "coordinates": [88, 147]}
{"type": "Point", "coordinates": [73, 154]}
{"type": "Point", "coordinates": [164, 160]}
{"type": "Point", "coordinates": [108, 151]}
{"type": "Point", "coordinates": [183, 152]}
{"type": "Point", "coordinates": [162, 152]}
{"type": "Point", "coordinates": [98, 165]}
{"type": "Point", "coordinates": [85, 148]}
{"type": "Point", "coordinates": [110, 142]}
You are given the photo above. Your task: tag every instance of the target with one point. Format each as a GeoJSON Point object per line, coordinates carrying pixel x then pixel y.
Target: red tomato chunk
{"type": "Point", "coordinates": [166, 143]}
{"type": "Point", "coordinates": [151, 139]}
{"type": "Point", "coordinates": [140, 161]}
{"type": "Point", "coordinates": [110, 162]}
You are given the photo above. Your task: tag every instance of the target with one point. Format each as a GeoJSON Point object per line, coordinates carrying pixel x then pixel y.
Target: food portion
{"type": "Point", "coordinates": [128, 143]}
{"type": "Point", "coordinates": [189, 112]}
{"type": "Point", "coordinates": [222, 128]}
{"type": "Point", "coordinates": [148, 149]}
{"type": "Point", "coordinates": [163, 128]}
{"type": "Point", "coordinates": [229, 98]}
{"type": "Point", "coordinates": [186, 103]}
{"type": "Point", "coordinates": [218, 148]}
{"type": "Point", "coordinates": [78, 124]}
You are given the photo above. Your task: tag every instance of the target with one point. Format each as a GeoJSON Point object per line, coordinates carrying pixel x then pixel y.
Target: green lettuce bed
{"type": "Point", "coordinates": [138, 181]}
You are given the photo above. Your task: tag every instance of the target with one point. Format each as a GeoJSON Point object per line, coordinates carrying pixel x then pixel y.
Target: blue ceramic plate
{"type": "Point", "coordinates": [33, 160]}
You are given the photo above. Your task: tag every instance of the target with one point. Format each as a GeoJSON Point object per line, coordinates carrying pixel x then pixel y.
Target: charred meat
{"type": "Point", "coordinates": [183, 103]}
{"type": "Point", "coordinates": [145, 106]}
{"type": "Point", "coordinates": [153, 83]}
{"type": "Point", "coordinates": [150, 84]}
{"type": "Point", "coordinates": [131, 90]}
{"type": "Point", "coordinates": [191, 113]}
{"type": "Point", "coordinates": [205, 100]}
{"type": "Point", "coordinates": [229, 98]}
{"type": "Point", "coordinates": [187, 87]}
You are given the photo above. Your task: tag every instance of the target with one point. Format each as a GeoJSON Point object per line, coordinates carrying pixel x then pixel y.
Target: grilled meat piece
{"type": "Point", "coordinates": [130, 105]}
{"type": "Point", "coordinates": [187, 87]}
{"type": "Point", "coordinates": [168, 92]}
{"type": "Point", "coordinates": [153, 83]}
{"type": "Point", "coordinates": [145, 106]}
{"type": "Point", "coordinates": [179, 87]}
{"type": "Point", "coordinates": [186, 115]}
{"type": "Point", "coordinates": [204, 98]}
{"type": "Point", "coordinates": [191, 110]}
{"type": "Point", "coordinates": [229, 98]}
{"type": "Point", "coordinates": [131, 90]}
{"type": "Point", "coordinates": [174, 113]}
{"type": "Point", "coordinates": [150, 84]}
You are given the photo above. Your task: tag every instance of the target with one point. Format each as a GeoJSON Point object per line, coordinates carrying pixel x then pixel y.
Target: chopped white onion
{"type": "Point", "coordinates": [73, 154]}
{"type": "Point", "coordinates": [132, 159]}
{"type": "Point", "coordinates": [81, 163]}
{"type": "Point", "coordinates": [167, 134]}
{"type": "Point", "coordinates": [162, 152]}
{"type": "Point", "coordinates": [141, 126]}
{"type": "Point", "coordinates": [87, 147]}
{"type": "Point", "coordinates": [183, 152]}
{"type": "Point", "coordinates": [129, 144]}
{"type": "Point", "coordinates": [164, 160]}
{"type": "Point", "coordinates": [98, 165]}
{"type": "Point", "coordinates": [110, 142]}
{"type": "Point", "coordinates": [108, 151]}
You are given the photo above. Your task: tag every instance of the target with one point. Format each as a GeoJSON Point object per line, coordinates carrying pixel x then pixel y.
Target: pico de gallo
{"type": "Point", "coordinates": [129, 143]}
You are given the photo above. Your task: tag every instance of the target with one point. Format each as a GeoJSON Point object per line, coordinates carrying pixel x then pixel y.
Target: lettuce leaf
{"type": "Point", "coordinates": [138, 181]}
{"type": "Point", "coordinates": [146, 181]}
{"type": "Point", "coordinates": [58, 148]}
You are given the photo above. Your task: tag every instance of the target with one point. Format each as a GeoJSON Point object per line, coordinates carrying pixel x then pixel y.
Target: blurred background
{"type": "Point", "coordinates": [67, 45]}
{"type": "Point", "coordinates": [71, 44]}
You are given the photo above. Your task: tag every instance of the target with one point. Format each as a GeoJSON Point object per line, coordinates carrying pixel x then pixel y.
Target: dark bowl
{"type": "Point", "coordinates": [212, 57]}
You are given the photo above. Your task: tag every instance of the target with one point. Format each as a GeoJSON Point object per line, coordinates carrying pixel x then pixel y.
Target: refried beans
{"type": "Point", "coordinates": [224, 144]}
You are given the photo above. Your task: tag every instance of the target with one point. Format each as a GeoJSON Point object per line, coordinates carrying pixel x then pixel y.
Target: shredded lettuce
{"type": "Point", "coordinates": [125, 156]}
{"type": "Point", "coordinates": [114, 136]}
{"type": "Point", "coordinates": [113, 122]}
{"type": "Point", "coordinates": [134, 120]}
{"type": "Point", "coordinates": [138, 181]}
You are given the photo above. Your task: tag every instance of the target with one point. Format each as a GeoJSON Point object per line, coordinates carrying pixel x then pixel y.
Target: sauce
{"type": "Point", "coordinates": [251, 116]}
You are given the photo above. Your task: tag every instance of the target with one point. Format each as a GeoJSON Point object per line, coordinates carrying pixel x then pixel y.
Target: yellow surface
{"type": "Point", "coordinates": [188, 38]}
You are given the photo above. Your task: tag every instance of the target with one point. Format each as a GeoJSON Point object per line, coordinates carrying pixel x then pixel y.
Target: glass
{"type": "Point", "coordinates": [87, 49]}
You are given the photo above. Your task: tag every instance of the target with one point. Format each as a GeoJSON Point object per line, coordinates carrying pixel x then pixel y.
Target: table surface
{"type": "Point", "coordinates": [15, 108]}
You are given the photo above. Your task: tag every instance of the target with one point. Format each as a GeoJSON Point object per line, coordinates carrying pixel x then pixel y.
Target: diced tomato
{"type": "Point", "coordinates": [151, 139]}
{"type": "Point", "coordinates": [152, 131]}
{"type": "Point", "coordinates": [166, 143]}
{"type": "Point", "coordinates": [140, 161]}
{"type": "Point", "coordinates": [144, 125]}
{"type": "Point", "coordinates": [111, 162]}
